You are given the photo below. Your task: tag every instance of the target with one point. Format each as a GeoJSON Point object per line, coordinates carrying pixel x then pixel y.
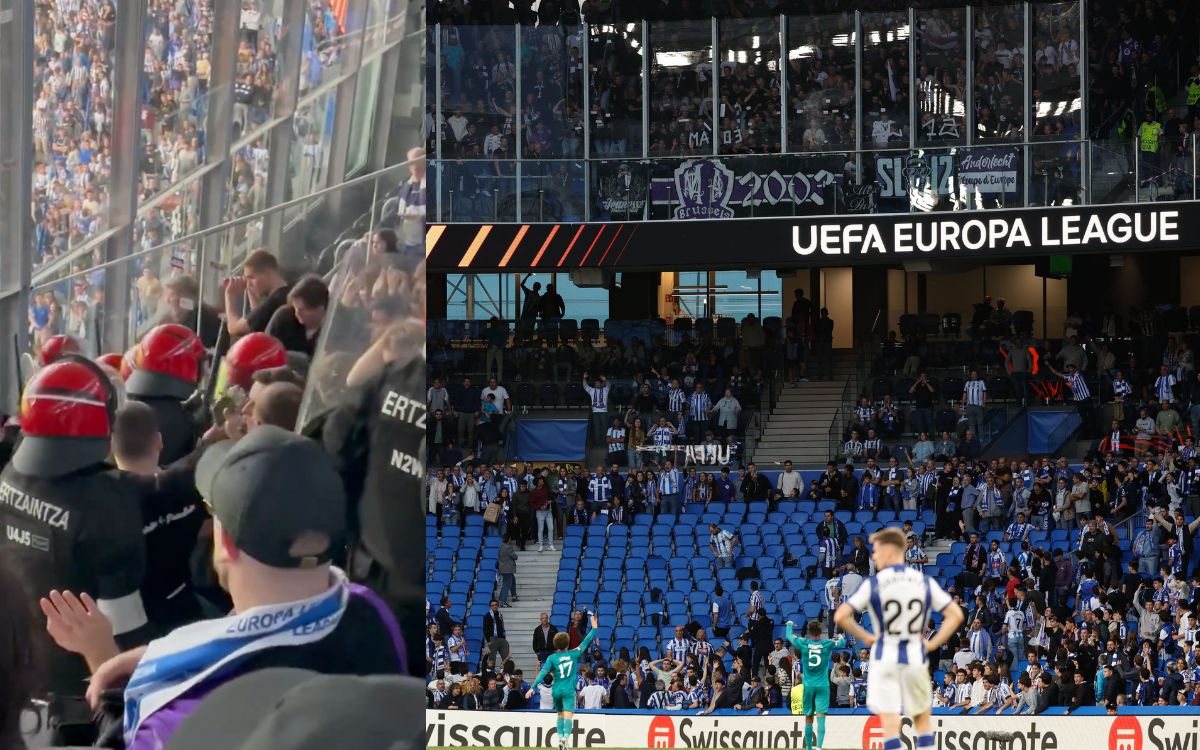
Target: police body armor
{"type": "Point", "coordinates": [380, 441]}
{"type": "Point", "coordinates": [79, 532]}
{"type": "Point", "coordinates": [70, 523]}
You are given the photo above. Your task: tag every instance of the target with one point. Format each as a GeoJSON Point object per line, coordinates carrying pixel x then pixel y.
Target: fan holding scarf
{"type": "Point", "coordinates": [279, 513]}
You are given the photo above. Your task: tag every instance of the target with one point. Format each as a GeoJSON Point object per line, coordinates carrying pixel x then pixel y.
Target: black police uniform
{"type": "Point", "coordinates": [172, 514]}
{"type": "Point", "coordinates": [178, 428]}
{"type": "Point", "coordinates": [80, 532]}
{"type": "Point", "coordinates": [379, 440]}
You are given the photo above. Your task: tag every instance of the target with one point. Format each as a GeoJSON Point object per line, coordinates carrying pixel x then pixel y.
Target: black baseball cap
{"type": "Point", "coordinates": [296, 709]}
{"type": "Point", "coordinates": [269, 490]}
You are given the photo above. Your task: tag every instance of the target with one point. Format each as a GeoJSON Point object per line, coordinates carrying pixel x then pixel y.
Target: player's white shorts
{"type": "Point", "coordinates": [898, 688]}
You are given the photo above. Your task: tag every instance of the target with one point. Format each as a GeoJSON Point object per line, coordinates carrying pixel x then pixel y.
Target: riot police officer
{"type": "Point", "coordinates": [72, 523]}
{"type": "Point", "coordinates": [165, 371]}
{"type": "Point", "coordinates": [378, 436]}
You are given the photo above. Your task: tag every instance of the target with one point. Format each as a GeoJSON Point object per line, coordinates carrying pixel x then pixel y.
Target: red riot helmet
{"type": "Point", "coordinates": [251, 353]}
{"type": "Point", "coordinates": [112, 360]}
{"type": "Point", "coordinates": [67, 411]}
{"type": "Point", "coordinates": [166, 363]}
{"type": "Point", "coordinates": [55, 347]}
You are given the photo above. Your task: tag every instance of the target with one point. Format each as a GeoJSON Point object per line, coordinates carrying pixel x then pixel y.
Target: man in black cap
{"type": "Point", "coordinates": [279, 513]}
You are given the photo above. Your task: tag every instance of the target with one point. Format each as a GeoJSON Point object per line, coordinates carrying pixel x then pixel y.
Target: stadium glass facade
{"type": "Point", "coordinates": [863, 112]}
{"type": "Point", "coordinates": [152, 140]}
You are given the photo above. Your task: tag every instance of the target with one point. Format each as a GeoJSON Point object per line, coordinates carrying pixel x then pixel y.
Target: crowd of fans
{"type": "Point", "coordinates": [821, 83]}
{"type": "Point", "coordinates": [74, 110]}
{"type": "Point", "coordinates": [1078, 577]}
{"type": "Point", "coordinates": [644, 396]}
{"type": "Point", "coordinates": [72, 134]}
{"type": "Point", "coordinates": [1066, 608]}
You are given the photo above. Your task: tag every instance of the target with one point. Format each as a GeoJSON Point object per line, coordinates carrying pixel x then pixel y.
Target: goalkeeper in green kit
{"type": "Point", "coordinates": [814, 653]}
{"type": "Point", "coordinates": [563, 667]}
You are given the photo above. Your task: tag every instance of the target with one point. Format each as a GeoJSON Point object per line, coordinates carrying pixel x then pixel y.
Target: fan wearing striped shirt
{"type": "Point", "coordinates": [974, 400]}
{"type": "Point", "coordinates": [1080, 394]}
{"type": "Point", "coordinates": [901, 601]}
{"type": "Point", "coordinates": [1121, 391]}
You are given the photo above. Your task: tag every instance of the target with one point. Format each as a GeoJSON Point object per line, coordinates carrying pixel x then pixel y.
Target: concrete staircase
{"type": "Point", "coordinates": [798, 428]}
{"type": "Point", "coordinates": [537, 573]}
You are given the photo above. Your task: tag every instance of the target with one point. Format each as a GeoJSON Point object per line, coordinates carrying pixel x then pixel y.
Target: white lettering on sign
{"type": "Point", "coordinates": [27, 539]}
{"type": "Point", "coordinates": [408, 464]}
{"type": "Point", "coordinates": [404, 408]}
{"type": "Point", "coordinates": [47, 513]}
{"type": "Point", "coordinates": [708, 454]}
{"type": "Point", "coordinates": [1062, 230]}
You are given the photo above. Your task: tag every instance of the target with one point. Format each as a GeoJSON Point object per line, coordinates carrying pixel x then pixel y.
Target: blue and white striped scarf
{"type": "Point", "coordinates": [194, 653]}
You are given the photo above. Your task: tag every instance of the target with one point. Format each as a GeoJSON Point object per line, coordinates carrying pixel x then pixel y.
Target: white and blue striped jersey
{"type": "Point", "coordinates": [1079, 389]}
{"type": "Point", "coordinates": [1164, 388]}
{"type": "Point", "coordinates": [668, 482]}
{"type": "Point", "coordinates": [675, 400]}
{"type": "Point", "coordinates": [900, 601]}
{"type": "Point", "coordinates": [973, 391]}
{"type": "Point", "coordinates": [678, 649]}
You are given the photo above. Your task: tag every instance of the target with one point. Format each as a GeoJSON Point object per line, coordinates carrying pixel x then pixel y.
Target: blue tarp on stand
{"type": "Point", "coordinates": [1046, 427]}
{"type": "Point", "coordinates": [551, 439]}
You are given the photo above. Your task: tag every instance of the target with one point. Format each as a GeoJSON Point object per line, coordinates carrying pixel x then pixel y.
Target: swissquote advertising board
{"type": "Point", "coordinates": [1091, 731]}
{"type": "Point", "coordinates": [816, 241]}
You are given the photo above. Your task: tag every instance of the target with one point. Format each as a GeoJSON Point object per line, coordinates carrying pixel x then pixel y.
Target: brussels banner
{"type": "Point", "coordinates": [1157, 729]}
{"type": "Point", "coordinates": [816, 241]}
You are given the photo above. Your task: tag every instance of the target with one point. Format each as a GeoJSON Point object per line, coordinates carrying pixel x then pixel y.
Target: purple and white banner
{"type": "Point", "coordinates": [990, 170]}
{"type": "Point", "coordinates": [708, 189]}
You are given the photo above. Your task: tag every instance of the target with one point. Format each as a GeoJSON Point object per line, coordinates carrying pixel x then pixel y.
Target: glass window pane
{"type": "Point", "coordinates": [771, 298]}
{"type": "Point", "coordinates": [941, 76]}
{"type": "Point", "coordinates": [175, 215]}
{"type": "Point", "coordinates": [476, 190]}
{"type": "Point", "coordinates": [312, 131]}
{"type": "Point", "coordinates": [73, 306]}
{"type": "Point", "coordinates": [174, 94]}
{"type": "Point", "coordinates": [1056, 76]}
{"type": "Point", "coordinates": [999, 73]}
{"type": "Point", "coordinates": [456, 296]}
{"type": "Point", "coordinates": [72, 125]}
{"type": "Point", "coordinates": [248, 177]}
{"type": "Point", "coordinates": [735, 295]}
{"type": "Point", "coordinates": [479, 105]}
{"type": "Point", "coordinates": [681, 104]}
{"type": "Point", "coordinates": [580, 302]}
{"type": "Point", "coordinates": [374, 34]}
{"type": "Point", "coordinates": [551, 91]}
{"type": "Point", "coordinates": [691, 299]}
{"type": "Point", "coordinates": [365, 98]}
{"type": "Point", "coordinates": [552, 191]}
{"type": "Point", "coordinates": [326, 43]}
{"type": "Point", "coordinates": [488, 297]}
{"type": "Point", "coordinates": [258, 48]}
{"type": "Point", "coordinates": [821, 82]}
{"type": "Point", "coordinates": [615, 56]}
{"type": "Point", "coordinates": [749, 86]}
{"type": "Point", "coordinates": [885, 80]}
